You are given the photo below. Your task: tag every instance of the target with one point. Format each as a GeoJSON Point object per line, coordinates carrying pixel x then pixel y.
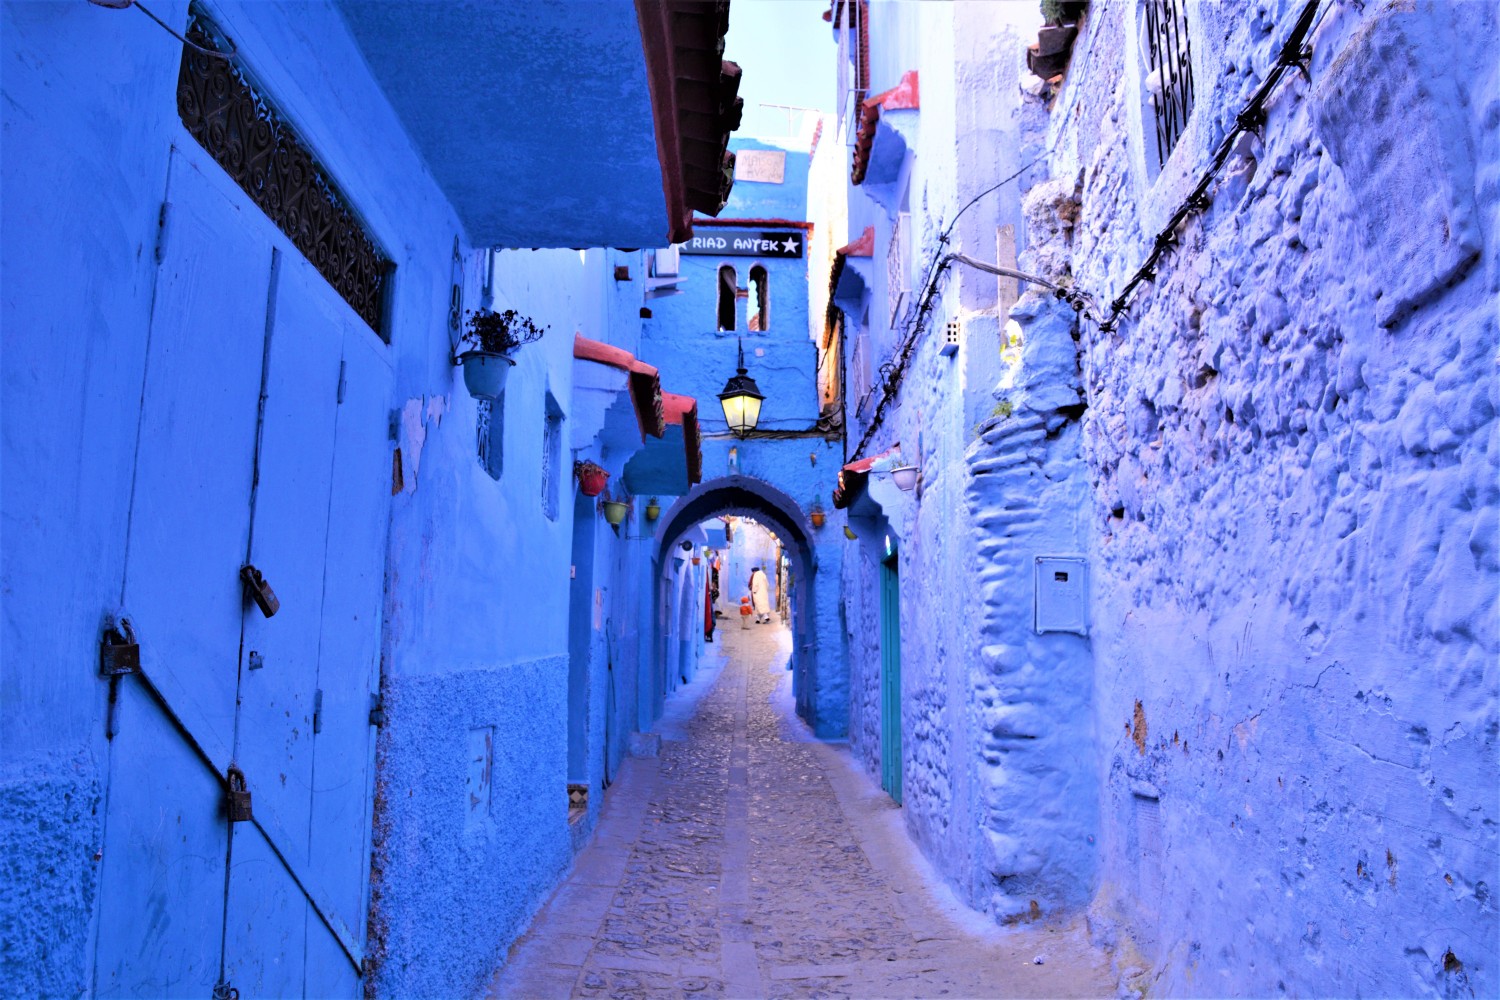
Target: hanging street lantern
{"type": "Point", "coordinates": [741, 399]}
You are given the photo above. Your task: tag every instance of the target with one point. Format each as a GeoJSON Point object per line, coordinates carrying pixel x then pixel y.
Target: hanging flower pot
{"type": "Point", "coordinates": [492, 337]}
{"type": "Point", "coordinates": [818, 518]}
{"type": "Point", "coordinates": [591, 478]}
{"type": "Point", "coordinates": [615, 511]}
{"type": "Point", "coordinates": [653, 509]}
{"type": "Point", "coordinates": [905, 477]}
{"type": "Point", "coordinates": [485, 373]}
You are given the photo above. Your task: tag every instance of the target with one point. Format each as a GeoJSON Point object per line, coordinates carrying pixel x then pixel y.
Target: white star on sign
{"type": "Point", "coordinates": [790, 244]}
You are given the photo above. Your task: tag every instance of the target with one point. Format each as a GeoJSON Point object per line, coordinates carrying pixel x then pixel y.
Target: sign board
{"type": "Point", "coordinates": [785, 244]}
{"type": "Point", "coordinates": [760, 166]}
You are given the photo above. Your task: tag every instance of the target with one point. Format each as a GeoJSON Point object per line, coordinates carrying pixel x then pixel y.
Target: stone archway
{"type": "Point", "coordinates": [755, 498]}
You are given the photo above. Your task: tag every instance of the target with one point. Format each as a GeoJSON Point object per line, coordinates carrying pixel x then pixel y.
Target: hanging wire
{"type": "Point", "coordinates": [215, 53]}
{"type": "Point", "coordinates": [1294, 52]}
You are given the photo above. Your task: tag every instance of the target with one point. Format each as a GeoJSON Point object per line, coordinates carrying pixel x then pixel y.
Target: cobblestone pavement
{"type": "Point", "coordinates": [749, 860]}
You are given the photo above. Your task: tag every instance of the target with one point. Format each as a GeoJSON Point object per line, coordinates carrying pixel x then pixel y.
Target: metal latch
{"type": "Point", "coordinates": [259, 590]}
{"type": "Point", "coordinates": [237, 798]}
{"type": "Point", "coordinates": [118, 651]}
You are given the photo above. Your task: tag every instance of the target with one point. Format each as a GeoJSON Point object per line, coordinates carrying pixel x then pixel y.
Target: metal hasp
{"type": "Point", "coordinates": [237, 797]}
{"type": "Point", "coordinates": [118, 651]}
{"type": "Point", "coordinates": [741, 399]}
{"type": "Point", "coordinates": [259, 590]}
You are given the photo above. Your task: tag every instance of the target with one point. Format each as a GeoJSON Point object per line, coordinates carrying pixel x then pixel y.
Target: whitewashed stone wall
{"type": "Point", "coordinates": [1292, 448]}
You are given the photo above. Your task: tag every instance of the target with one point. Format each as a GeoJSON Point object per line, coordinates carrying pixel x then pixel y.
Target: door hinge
{"type": "Point", "coordinates": [377, 710]}
{"type": "Point", "coordinates": [343, 380]}
{"type": "Point", "coordinates": [318, 711]}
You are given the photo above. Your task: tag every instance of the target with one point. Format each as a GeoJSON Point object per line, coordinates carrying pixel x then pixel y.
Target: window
{"type": "Point", "coordinates": [760, 285]}
{"type": "Point", "coordinates": [1167, 60]}
{"type": "Point", "coordinates": [552, 458]}
{"type": "Point", "coordinates": [489, 429]}
{"type": "Point", "coordinates": [728, 287]}
{"type": "Point", "coordinates": [897, 263]}
{"type": "Point", "coordinates": [271, 163]}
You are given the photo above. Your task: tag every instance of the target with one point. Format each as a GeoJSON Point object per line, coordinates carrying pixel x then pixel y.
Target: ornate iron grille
{"type": "Point", "coordinates": [267, 159]}
{"type": "Point", "coordinates": [1169, 65]}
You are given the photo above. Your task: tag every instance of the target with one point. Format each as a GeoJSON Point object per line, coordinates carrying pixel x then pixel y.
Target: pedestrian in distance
{"type": "Point", "coordinates": [760, 594]}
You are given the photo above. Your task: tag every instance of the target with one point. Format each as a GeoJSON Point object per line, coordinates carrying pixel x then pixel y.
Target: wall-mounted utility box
{"type": "Point", "coordinates": [1062, 590]}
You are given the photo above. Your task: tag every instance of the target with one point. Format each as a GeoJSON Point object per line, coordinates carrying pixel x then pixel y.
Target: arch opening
{"type": "Point", "coordinates": [756, 506]}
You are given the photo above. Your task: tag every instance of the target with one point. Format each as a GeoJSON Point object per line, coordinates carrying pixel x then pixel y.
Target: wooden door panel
{"type": "Point", "coordinates": [190, 511]}
{"type": "Point", "coordinates": [161, 898]}
{"type": "Point", "coordinates": [349, 660]}
{"type": "Point", "coordinates": [288, 545]}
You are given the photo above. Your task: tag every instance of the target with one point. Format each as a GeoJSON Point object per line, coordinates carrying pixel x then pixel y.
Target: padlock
{"type": "Point", "coordinates": [259, 590]}
{"type": "Point", "coordinates": [237, 798]}
{"type": "Point", "coordinates": [118, 651]}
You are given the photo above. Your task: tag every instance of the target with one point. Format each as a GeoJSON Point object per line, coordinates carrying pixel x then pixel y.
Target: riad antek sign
{"type": "Point", "coordinates": [745, 243]}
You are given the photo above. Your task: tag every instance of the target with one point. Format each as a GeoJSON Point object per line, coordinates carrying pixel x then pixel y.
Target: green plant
{"type": "Point", "coordinates": [1063, 11]}
{"type": "Point", "coordinates": [501, 332]}
{"type": "Point", "coordinates": [1003, 409]}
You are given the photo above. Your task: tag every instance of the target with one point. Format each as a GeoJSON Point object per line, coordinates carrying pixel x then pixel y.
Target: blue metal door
{"type": "Point", "coordinates": [890, 678]}
{"type": "Point", "coordinates": [262, 441]}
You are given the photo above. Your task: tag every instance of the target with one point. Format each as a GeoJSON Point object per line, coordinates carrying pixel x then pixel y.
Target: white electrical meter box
{"type": "Point", "coordinates": [1062, 590]}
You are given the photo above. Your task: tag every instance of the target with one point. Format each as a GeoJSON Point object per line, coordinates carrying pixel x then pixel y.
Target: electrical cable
{"type": "Point", "coordinates": [215, 53]}
{"type": "Point", "coordinates": [1293, 52]}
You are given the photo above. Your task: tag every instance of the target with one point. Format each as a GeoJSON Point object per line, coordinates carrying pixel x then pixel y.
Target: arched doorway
{"type": "Point", "coordinates": [747, 496]}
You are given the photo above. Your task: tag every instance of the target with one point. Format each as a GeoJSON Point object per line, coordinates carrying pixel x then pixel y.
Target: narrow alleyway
{"type": "Point", "coordinates": [749, 860]}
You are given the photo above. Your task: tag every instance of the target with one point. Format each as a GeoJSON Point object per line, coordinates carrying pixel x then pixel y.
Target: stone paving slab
{"type": "Point", "coordinates": [748, 860]}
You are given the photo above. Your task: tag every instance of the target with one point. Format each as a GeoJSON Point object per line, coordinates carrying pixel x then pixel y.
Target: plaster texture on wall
{"type": "Point", "coordinates": [1292, 445]}
{"type": "Point", "coordinates": [440, 874]}
{"type": "Point", "coordinates": [486, 114]}
{"type": "Point", "coordinates": [980, 798]}
{"type": "Point", "coordinates": [50, 824]}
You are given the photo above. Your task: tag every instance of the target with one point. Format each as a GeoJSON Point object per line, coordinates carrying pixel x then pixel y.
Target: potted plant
{"type": "Point", "coordinates": [653, 509]}
{"type": "Point", "coordinates": [816, 514]}
{"type": "Point", "coordinates": [615, 508]}
{"type": "Point", "coordinates": [493, 336]}
{"type": "Point", "coordinates": [905, 477]}
{"type": "Point", "coordinates": [591, 478]}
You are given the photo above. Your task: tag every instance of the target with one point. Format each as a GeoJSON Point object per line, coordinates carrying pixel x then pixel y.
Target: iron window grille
{"type": "Point", "coordinates": [270, 162]}
{"type": "Point", "coordinates": [489, 434]}
{"type": "Point", "coordinates": [1169, 67]}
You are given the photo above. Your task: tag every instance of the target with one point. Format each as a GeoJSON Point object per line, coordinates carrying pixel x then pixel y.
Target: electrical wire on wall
{"type": "Point", "coordinates": [1294, 52]}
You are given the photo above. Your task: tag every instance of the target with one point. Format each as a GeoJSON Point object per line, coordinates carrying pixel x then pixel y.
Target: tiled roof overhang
{"type": "Point", "coordinates": [645, 381]}
{"type": "Point", "coordinates": [695, 101]}
{"type": "Point", "coordinates": [854, 476]}
{"type": "Point", "coordinates": [683, 410]}
{"type": "Point", "coordinates": [905, 95]}
{"type": "Point", "coordinates": [862, 247]}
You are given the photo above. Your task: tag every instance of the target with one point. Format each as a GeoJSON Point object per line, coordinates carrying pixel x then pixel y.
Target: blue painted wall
{"type": "Point", "coordinates": [682, 339]}
{"type": "Point", "coordinates": [476, 611]}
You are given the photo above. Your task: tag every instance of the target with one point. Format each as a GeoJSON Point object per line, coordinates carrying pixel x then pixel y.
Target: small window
{"type": "Point", "coordinates": [728, 287]}
{"type": "Point", "coordinates": [1167, 60]}
{"type": "Point", "coordinates": [760, 287]}
{"type": "Point", "coordinates": [489, 431]}
{"type": "Point", "coordinates": [898, 264]}
{"type": "Point", "coordinates": [552, 458]}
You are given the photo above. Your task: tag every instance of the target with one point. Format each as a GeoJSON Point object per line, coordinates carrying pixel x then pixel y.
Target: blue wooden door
{"type": "Point", "coordinates": [262, 441]}
{"type": "Point", "coordinates": [890, 678]}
